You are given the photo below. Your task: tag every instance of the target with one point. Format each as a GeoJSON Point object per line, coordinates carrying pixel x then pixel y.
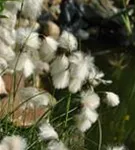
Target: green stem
{"type": "Point", "coordinates": [67, 109]}
{"type": "Point", "coordinates": [100, 135]}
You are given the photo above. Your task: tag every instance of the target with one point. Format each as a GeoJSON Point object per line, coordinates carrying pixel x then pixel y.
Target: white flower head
{"type": "Point", "coordinates": [89, 114]}
{"type": "Point", "coordinates": [80, 64]}
{"type": "Point", "coordinates": [13, 6]}
{"type": "Point", "coordinates": [28, 68]}
{"type": "Point", "coordinates": [27, 37]}
{"type": "Point", "coordinates": [4, 147]}
{"type": "Point", "coordinates": [47, 132]}
{"type": "Point", "coordinates": [41, 67]}
{"type": "Point", "coordinates": [48, 49]}
{"type": "Point", "coordinates": [75, 85]}
{"type": "Point", "coordinates": [116, 148]}
{"type": "Point", "coordinates": [2, 87]}
{"type": "Point", "coordinates": [14, 142]}
{"type": "Point", "coordinates": [34, 97]}
{"type": "Point", "coordinates": [10, 21]}
{"type": "Point", "coordinates": [23, 63]}
{"type": "Point", "coordinates": [6, 52]}
{"type": "Point", "coordinates": [32, 8]}
{"type": "Point", "coordinates": [90, 99]}
{"type": "Point", "coordinates": [7, 36]}
{"type": "Point", "coordinates": [68, 41]}
{"type": "Point", "coordinates": [82, 123]}
{"type": "Point", "coordinates": [61, 80]}
{"type": "Point", "coordinates": [111, 99]}
{"type": "Point", "coordinates": [60, 64]}
{"type": "Point", "coordinates": [55, 145]}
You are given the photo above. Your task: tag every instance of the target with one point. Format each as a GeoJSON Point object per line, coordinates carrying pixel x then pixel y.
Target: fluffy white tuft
{"type": "Point", "coordinates": [90, 99]}
{"type": "Point", "coordinates": [6, 52]}
{"type": "Point", "coordinates": [112, 99]}
{"type": "Point", "coordinates": [82, 124]}
{"type": "Point", "coordinates": [2, 86]}
{"type": "Point", "coordinates": [23, 63]}
{"type": "Point", "coordinates": [28, 68]}
{"type": "Point", "coordinates": [10, 21]}
{"type": "Point", "coordinates": [79, 65]}
{"type": "Point", "coordinates": [32, 8]}
{"type": "Point", "coordinates": [61, 80]}
{"type": "Point", "coordinates": [60, 64]}
{"type": "Point", "coordinates": [27, 37]}
{"type": "Point", "coordinates": [7, 36]}
{"type": "Point", "coordinates": [89, 114]}
{"type": "Point", "coordinates": [13, 6]}
{"type": "Point", "coordinates": [85, 119]}
{"type": "Point", "coordinates": [47, 132]}
{"type": "Point", "coordinates": [75, 85]}
{"type": "Point", "coordinates": [116, 148]}
{"type": "Point", "coordinates": [68, 41]}
{"type": "Point", "coordinates": [48, 49]}
{"type": "Point", "coordinates": [14, 143]}
{"type": "Point", "coordinates": [55, 145]}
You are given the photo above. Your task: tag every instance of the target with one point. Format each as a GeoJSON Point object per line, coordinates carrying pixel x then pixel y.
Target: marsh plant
{"type": "Point", "coordinates": [48, 86]}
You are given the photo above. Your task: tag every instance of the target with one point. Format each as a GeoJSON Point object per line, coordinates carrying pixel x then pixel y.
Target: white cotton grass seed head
{"type": "Point", "coordinates": [61, 80]}
{"type": "Point", "coordinates": [47, 132]}
{"type": "Point", "coordinates": [27, 37]}
{"type": "Point", "coordinates": [13, 6]}
{"type": "Point", "coordinates": [75, 85]}
{"type": "Point", "coordinates": [32, 8]}
{"type": "Point", "coordinates": [10, 21]}
{"type": "Point", "coordinates": [79, 65]}
{"type": "Point", "coordinates": [89, 114]}
{"type": "Point", "coordinates": [116, 147]}
{"type": "Point", "coordinates": [14, 142]}
{"type": "Point", "coordinates": [28, 68]}
{"type": "Point", "coordinates": [82, 123]}
{"type": "Point", "coordinates": [2, 86]}
{"type": "Point", "coordinates": [68, 41]}
{"type": "Point", "coordinates": [34, 97]}
{"type": "Point", "coordinates": [4, 147]}
{"type": "Point", "coordinates": [7, 36]}
{"type": "Point", "coordinates": [111, 99]}
{"type": "Point", "coordinates": [56, 145]}
{"type": "Point", "coordinates": [60, 64]}
{"type": "Point", "coordinates": [90, 99]}
{"type": "Point", "coordinates": [48, 49]}
{"type": "Point", "coordinates": [24, 63]}
{"type": "Point", "coordinates": [6, 52]}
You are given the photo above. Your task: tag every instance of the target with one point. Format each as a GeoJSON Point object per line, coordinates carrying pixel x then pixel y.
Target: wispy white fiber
{"type": "Point", "coordinates": [27, 37]}
{"type": "Point", "coordinates": [116, 148]}
{"type": "Point", "coordinates": [60, 64]}
{"type": "Point", "coordinates": [47, 132]}
{"type": "Point", "coordinates": [13, 143]}
{"type": "Point", "coordinates": [56, 145]}
{"type": "Point", "coordinates": [32, 8]}
{"type": "Point", "coordinates": [61, 80]}
{"type": "Point", "coordinates": [111, 99]}
{"type": "Point", "coordinates": [90, 99]}
{"type": "Point", "coordinates": [75, 85]}
{"type": "Point", "coordinates": [6, 52]}
{"type": "Point", "coordinates": [48, 49]}
{"type": "Point", "coordinates": [68, 41]}
{"type": "Point", "coordinates": [7, 36]}
{"type": "Point", "coordinates": [80, 64]}
{"type": "Point", "coordinates": [10, 21]}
